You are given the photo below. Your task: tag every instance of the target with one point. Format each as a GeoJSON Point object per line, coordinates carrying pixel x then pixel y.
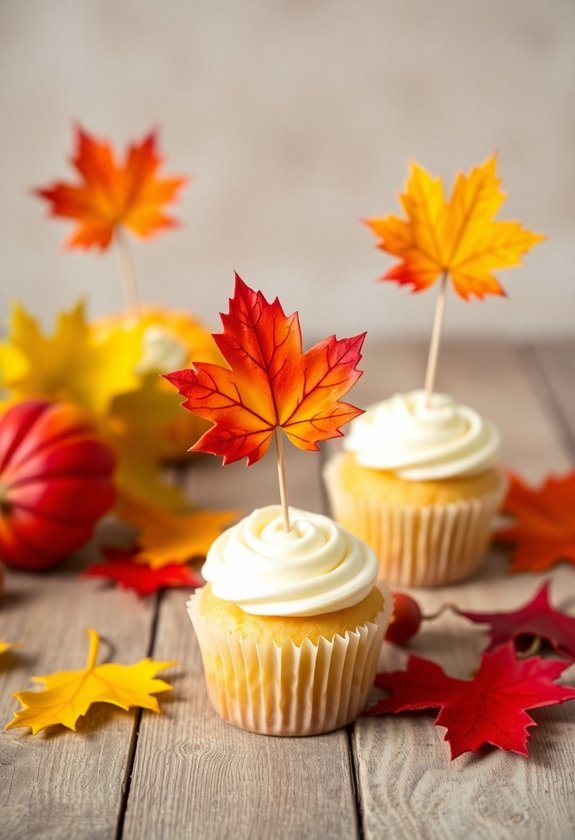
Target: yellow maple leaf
{"type": "Point", "coordinates": [139, 478]}
{"type": "Point", "coordinates": [4, 646]}
{"type": "Point", "coordinates": [68, 695]}
{"type": "Point", "coordinates": [171, 339]}
{"type": "Point", "coordinates": [69, 365]}
{"type": "Point", "coordinates": [458, 238]}
{"type": "Point", "coordinates": [165, 537]}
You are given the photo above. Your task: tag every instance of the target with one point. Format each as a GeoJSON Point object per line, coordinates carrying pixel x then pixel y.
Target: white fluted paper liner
{"type": "Point", "coordinates": [289, 689]}
{"type": "Point", "coordinates": [429, 545]}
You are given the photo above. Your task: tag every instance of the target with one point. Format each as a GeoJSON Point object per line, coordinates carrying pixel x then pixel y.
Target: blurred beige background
{"type": "Point", "coordinates": [295, 119]}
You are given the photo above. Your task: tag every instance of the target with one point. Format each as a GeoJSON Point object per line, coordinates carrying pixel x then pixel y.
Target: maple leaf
{"type": "Point", "coordinates": [70, 365]}
{"type": "Point", "coordinates": [537, 618]}
{"type": "Point", "coordinates": [543, 533]}
{"type": "Point", "coordinates": [165, 538]}
{"type": "Point", "coordinates": [121, 566]}
{"type": "Point", "coordinates": [270, 383]}
{"type": "Point", "coordinates": [459, 237]}
{"type": "Point", "coordinates": [112, 194]}
{"type": "Point", "coordinates": [488, 709]}
{"type": "Point", "coordinates": [68, 695]}
{"type": "Point", "coordinates": [6, 646]}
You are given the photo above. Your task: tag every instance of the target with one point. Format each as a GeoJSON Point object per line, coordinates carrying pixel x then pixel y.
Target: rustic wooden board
{"type": "Point", "coordinates": [407, 785]}
{"type": "Point", "coordinates": [56, 784]}
{"type": "Point", "coordinates": [553, 368]}
{"type": "Point", "coordinates": [196, 776]}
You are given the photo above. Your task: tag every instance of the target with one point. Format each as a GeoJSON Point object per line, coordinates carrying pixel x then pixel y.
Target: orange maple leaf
{"type": "Point", "coordinates": [112, 194]}
{"type": "Point", "coordinates": [543, 533]}
{"type": "Point", "coordinates": [458, 238]}
{"type": "Point", "coordinates": [270, 383]}
{"type": "Point", "coordinates": [165, 538]}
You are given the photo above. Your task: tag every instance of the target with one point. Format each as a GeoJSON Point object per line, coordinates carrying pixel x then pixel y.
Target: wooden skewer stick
{"type": "Point", "coordinates": [128, 275]}
{"type": "Point", "coordinates": [282, 477]}
{"type": "Point", "coordinates": [435, 340]}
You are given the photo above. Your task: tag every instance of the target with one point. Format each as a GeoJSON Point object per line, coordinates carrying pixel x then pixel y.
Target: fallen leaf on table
{"type": "Point", "coordinates": [270, 382]}
{"type": "Point", "coordinates": [70, 365]}
{"type": "Point", "coordinates": [165, 537]}
{"type": "Point", "coordinates": [543, 532]}
{"type": "Point", "coordinates": [488, 709]}
{"type": "Point", "coordinates": [110, 194]}
{"type": "Point", "coordinates": [67, 695]}
{"type": "Point", "coordinates": [5, 646]}
{"type": "Point", "coordinates": [537, 619]}
{"type": "Point", "coordinates": [121, 567]}
{"type": "Point", "coordinates": [459, 237]}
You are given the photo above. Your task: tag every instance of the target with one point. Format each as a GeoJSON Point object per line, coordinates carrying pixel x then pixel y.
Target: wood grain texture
{"type": "Point", "coordinates": [408, 787]}
{"type": "Point", "coordinates": [554, 371]}
{"type": "Point", "coordinates": [197, 776]}
{"type": "Point", "coordinates": [58, 784]}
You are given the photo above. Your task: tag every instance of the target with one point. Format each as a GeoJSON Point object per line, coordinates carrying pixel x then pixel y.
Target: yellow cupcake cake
{"type": "Point", "coordinates": [290, 623]}
{"type": "Point", "coordinates": [419, 483]}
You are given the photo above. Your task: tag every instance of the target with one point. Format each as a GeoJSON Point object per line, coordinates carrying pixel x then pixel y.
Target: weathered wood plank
{"type": "Point", "coordinates": [554, 372]}
{"type": "Point", "coordinates": [196, 776]}
{"type": "Point", "coordinates": [58, 784]}
{"type": "Point", "coordinates": [407, 785]}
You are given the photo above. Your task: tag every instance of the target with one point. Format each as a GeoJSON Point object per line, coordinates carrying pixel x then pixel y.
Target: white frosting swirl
{"type": "Point", "coordinates": [421, 442]}
{"type": "Point", "coordinates": [315, 568]}
{"type": "Point", "coordinates": [162, 351]}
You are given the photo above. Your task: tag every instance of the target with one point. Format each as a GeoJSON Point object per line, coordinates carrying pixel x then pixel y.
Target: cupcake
{"type": "Point", "coordinates": [290, 623]}
{"type": "Point", "coordinates": [418, 482]}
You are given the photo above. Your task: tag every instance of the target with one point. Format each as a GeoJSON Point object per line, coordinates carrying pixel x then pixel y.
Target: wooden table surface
{"type": "Point", "coordinates": [186, 773]}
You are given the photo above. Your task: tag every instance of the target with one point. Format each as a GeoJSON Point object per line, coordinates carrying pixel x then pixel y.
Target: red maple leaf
{"type": "Point", "coordinates": [543, 533]}
{"type": "Point", "coordinates": [111, 194]}
{"type": "Point", "coordinates": [270, 382]}
{"type": "Point", "coordinates": [537, 618]}
{"type": "Point", "coordinates": [488, 709]}
{"type": "Point", "coordinates": [121, 568]}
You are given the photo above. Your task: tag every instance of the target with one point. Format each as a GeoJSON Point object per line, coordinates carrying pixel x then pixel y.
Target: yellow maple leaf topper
{"type": "Point", "coordinates": [459, 238]}
{"type": "Point", "coordinates": [68, 695]}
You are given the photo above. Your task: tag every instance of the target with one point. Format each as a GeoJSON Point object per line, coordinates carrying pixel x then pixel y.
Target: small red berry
{"type": "Point", "coordinates": [405, 619]}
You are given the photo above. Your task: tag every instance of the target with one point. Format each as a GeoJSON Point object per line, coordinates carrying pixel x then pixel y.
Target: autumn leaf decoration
{"type": "Point", "coordinates": [488, 709]}
{"type": "Point", "coordinates": [271, 386]}
{"type": "Point", "coordinates": [111, 196]}
{"type": "Point", "coordinates": [543, 531]}
{"type": "Point", "coordinates": [529, 626]}
{"type": "Point", "coordinates": [457, 238]}
{"type": "Point", "coordinates": [67, 695]}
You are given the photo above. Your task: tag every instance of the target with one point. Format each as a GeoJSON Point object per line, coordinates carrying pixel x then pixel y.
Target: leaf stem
{"type": "Point", "coordinates": [435, 340]}
{"type": "Point", "coordinates": [282, 477]}
{"type": "Point", "coordinates": [128, 275]}
{"type": "Point", "coordinates": [94, 647]}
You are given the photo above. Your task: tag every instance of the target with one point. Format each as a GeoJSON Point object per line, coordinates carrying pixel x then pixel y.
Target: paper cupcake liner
{"type": "Point", "coordinates": [289, 689]}
{"type": "Point", "coordinates": [430, 545]}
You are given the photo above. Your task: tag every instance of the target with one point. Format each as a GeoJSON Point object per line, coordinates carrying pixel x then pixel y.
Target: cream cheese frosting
{"type": "Point", "coordinates": [421, 441]}
{"type": "Point", "coordinates": [316, 567]}
{"type": "Point", "coordinates": [162, 351]}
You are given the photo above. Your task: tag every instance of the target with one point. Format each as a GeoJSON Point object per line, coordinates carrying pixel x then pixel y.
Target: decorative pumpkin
{"type": "Point", "coordinates": [56, 481]}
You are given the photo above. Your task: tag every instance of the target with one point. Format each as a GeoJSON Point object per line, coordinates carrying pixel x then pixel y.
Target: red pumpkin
{"type": "Point", "coordinates": [55, 482]}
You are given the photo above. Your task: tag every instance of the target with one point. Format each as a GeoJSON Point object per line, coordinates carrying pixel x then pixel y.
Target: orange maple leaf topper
{"type": "Point", "coordinates": [112, 194]}
{"type": "Point", "coordinates": [458, 238]}
{"type": "Point", "coordinates": [270, 382]}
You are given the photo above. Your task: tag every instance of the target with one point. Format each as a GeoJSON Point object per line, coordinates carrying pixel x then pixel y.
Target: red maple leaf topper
{"type": "Point", "coordinates": [543, 533]}
{"type": "Point", "coordinates": [537, 618]}
{"type": "Point", "coordinates": [110, 194]}
{"type": "Point", "coordinates": [488, 709]}
{"type": "Point", "coordinates": [270, 382]}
